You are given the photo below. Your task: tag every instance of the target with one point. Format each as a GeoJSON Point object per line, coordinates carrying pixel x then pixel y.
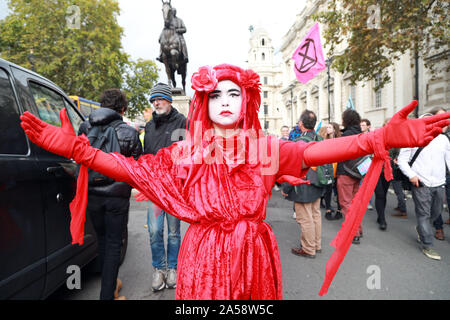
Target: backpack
{"type": "Point", "coordinates": [357, 168]}
{"type": "Point", "coordinates": [324, 173]}
{"type": "Point", "coordinates": [105, 139]}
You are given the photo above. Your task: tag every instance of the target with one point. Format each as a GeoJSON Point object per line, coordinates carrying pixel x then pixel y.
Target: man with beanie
{"type": "Point", "coordinates": [159, 133]}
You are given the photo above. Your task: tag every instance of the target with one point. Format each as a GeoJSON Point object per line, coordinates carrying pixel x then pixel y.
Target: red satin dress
{"type": "Point", "coordinates": [228, 251]}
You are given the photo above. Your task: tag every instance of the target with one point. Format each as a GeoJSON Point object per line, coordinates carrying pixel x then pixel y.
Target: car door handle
{"type": "Point", "coordinates": [55, 169]}
{"type": "Point", "coordinates": [59, 198]}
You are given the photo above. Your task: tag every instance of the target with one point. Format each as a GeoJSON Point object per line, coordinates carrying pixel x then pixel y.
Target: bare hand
{"type": "Point", "coordinates": [415, 181]}
{"type": "Point", "coordinates": [284, 194]}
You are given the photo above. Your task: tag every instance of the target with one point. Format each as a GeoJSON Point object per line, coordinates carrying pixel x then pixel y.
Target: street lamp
{"type": "Point", "coordinates": [416, 80]}
{"type": "Point", "coordinates": [329, 61]}
{"type": "Point", "coordinates": [31, 59]}
{"type": "Point", "coordinates": [291, 87]}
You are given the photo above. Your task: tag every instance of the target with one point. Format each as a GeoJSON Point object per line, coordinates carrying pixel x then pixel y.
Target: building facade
{"type": "Point", "coordinates": [375, 106]}
{"type": "Point", "coordinates": [272, 114]}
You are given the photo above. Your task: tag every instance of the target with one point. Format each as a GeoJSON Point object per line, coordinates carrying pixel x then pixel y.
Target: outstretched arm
{"type": "Point", "coordinates": [155, 176]}
{"type": "Point", "coordinates": [64, 142]}
{"type": "Point", "coordinates": [399, 132]}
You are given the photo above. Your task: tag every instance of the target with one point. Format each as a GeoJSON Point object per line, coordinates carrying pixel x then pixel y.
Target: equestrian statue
{"type": "Point", "coordinates": [173, 51]}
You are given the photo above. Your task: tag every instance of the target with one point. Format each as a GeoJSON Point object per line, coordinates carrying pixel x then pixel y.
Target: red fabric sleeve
{"type": "Point", "coordinates": [291, 158]}
{"type": "Point", "coordinates": [160, 179]}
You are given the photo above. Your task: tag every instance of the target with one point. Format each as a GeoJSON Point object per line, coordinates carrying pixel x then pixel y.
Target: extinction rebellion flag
{"type": "Point", "coordinates": [308, 58]}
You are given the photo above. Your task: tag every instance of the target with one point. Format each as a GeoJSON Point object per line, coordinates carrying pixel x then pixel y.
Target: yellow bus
{"type": "Point", "coordinates": [84, 105]}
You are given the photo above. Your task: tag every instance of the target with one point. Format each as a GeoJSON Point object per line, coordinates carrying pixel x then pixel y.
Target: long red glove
{"type": "Point", "coordinates": [399, 132]}
{"type": "Point", "coordinates": [64, 142]}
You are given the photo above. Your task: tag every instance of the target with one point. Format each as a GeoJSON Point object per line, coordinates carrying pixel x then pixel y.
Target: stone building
{"type": "Point", "coordinates": [272, 114]}
{"type": "Point", "coordinates": [376, 106]}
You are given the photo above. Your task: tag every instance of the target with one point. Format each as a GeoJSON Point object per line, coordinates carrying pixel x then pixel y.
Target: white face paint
{"type": "Point", "coordinates": [224, 104]}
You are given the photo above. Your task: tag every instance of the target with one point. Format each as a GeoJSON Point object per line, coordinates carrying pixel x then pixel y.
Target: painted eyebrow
{"type": "Point", "coordinates": [231, 90]}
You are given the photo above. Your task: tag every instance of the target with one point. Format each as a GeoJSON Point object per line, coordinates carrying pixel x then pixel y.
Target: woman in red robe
{"type": "Point", "coordinates": [220, 178]}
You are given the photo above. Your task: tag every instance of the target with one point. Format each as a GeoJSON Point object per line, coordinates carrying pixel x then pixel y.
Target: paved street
{"type": "Point", "coordinates": [405, 272]}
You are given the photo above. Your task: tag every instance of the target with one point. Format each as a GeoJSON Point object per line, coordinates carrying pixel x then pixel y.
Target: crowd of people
{"type": "Point", "coordinates": [426, 177]}
{"type": "Point", "coordinates": [220, 179]}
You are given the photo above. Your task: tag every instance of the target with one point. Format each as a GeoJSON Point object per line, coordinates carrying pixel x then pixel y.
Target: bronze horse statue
{"type": "Point", "coordinates": [172, 46]}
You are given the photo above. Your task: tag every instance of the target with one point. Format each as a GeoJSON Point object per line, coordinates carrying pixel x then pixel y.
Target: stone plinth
{"type": "Point", "coordinates": [180, 101]}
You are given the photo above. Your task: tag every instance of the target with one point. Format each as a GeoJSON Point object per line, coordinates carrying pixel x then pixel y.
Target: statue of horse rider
{"type": "Point", "coordinates": [178, 25]}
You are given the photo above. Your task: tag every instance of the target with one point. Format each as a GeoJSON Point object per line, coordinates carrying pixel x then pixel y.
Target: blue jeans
{"type": "Point", "coordinates": [155, 222]}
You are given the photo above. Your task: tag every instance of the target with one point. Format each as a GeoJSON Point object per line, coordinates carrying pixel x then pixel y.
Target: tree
{"type": "Point", "coordinates": [140, 77]}
{"type": "Point", "coordinates": [76, 44]}
{"type": "Point", "coordinates": [379, 32]}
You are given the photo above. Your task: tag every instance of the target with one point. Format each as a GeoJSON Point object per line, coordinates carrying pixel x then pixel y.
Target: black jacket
{"type": "Point", "coordinates": [158, 131]}
{"type": "Point", "coordinates": [130, 146]}
{"type": "Point", "coordinates": [304, 193]}
{"type": "Point", "coordinates": [352, 130]}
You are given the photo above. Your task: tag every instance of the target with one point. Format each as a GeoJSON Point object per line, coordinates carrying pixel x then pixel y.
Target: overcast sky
{"type": "Point", "coordinates": [217, 31]}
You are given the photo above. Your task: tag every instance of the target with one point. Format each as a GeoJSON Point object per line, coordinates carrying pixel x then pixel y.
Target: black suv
{"type": "Point", "coordinates": [36, 188]}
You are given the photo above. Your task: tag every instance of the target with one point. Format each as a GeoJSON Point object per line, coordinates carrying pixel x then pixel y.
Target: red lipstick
{"type": "Point", "coordinates": [226, 113]}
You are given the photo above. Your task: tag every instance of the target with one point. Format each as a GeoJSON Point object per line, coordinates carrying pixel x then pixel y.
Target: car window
{"type": "Point", "coordinates": [49, 105]}
{"type": "Point", "coordinates": [74, 117]}
{"type": "Point", "coordinates": [85, 109]}
{"type": "Point", "coordinates": [12, 137]}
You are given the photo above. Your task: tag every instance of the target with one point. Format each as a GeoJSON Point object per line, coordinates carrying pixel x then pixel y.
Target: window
{"type": "Point", "coordinates": [332, 111]}
{"type": "Point", "coordinates": [49, 105]}
{"type": "Point", "coordinates": [353, 93]}
{"type": "Point", "coordinates": [74, 117]}
{"type": "Point", "coordinates": [265, 80]}
{"type": "Point", "coordinates": [377, 93]}
{"type": "Point", "coordinates": [85, 109]}
{"type": "Point", "coordinates": [266, 109]}
{"type": "Point", "coordinates": [263, 56]}
{"type": "Point", "coordinates": [263, 42]}
{"type": "Point", "coordinates": [265, 94]}
{"type": "Point", "coordinates": [12, 138]}
{"type": "Point", "coordinates": [48, 102]}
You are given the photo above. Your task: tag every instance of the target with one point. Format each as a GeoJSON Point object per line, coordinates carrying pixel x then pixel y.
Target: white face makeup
{"type": "Point", "coordinates": [224, 104]}
{"type": "Point", "coordinates": [161, 106]}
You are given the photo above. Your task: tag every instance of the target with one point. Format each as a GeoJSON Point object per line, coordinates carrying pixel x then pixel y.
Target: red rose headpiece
{"type": "Point", "coordinates": [206, 79]}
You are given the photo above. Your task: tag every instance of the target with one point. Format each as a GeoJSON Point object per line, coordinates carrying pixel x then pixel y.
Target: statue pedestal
{"type": "Point", "coordinates": [180, 101]}
{"type": "Point", "coordinates": [177, 92]}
